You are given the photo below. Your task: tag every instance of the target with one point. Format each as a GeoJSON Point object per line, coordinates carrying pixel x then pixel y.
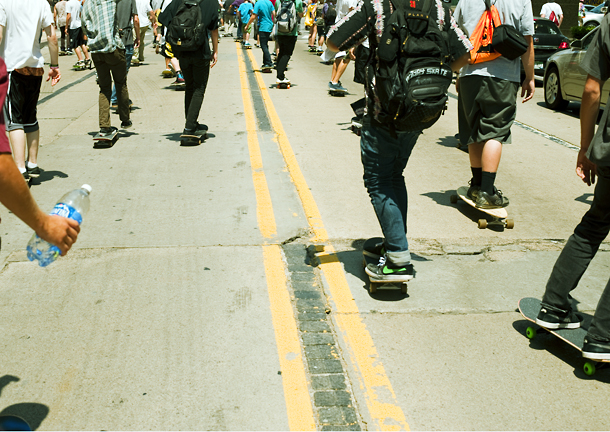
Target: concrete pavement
{"type": "Point", "coordinates": [165, 314]}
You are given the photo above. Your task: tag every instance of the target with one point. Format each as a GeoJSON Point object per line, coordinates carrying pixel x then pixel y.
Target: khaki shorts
{"type": "Point", "coordinates": [489, 106]}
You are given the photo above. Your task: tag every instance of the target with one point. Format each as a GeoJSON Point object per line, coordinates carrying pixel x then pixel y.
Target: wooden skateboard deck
{"type": "Point", "coordinates": [529, 308]}
{"type": "Point", "coordinates": [369, 259]}
{"type": "Point", "coordinates": [499, 216]}
{"type": "Point", "coordinates": [106, 141]}
{"type": "Point", "coordinates": [194, 139]}
{"type": "Point", "coordinates": [337, 92]}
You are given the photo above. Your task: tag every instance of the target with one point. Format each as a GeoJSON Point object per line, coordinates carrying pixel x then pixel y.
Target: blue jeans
{"type": "Point", "coordinates": [576, 255]}
{"type": "Point", "coordinates": [384, 159]}
{"type": "Point", "coordinates": [240, 33]}
{"type": "Point", "coordinates": [128, 56]}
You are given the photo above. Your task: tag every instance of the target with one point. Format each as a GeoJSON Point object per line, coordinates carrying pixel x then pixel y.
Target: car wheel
{"type": "Point", "coordinates": [591, 24]}
{"type": "Point", "coordinates": [552, 90]}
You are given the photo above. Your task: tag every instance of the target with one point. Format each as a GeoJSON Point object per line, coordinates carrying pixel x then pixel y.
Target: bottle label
{"type": "Point", "coordinates": [67, 211]}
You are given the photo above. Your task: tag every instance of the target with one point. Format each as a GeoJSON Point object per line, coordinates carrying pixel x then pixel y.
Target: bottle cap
{"type": "Point", "coordinates": [87, 188]}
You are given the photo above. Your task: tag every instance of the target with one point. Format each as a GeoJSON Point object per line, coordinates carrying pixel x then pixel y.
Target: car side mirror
{"type": "Point", "coordinates": [576, 45]}
{"type": "Point", "coordinates": [604, 9]}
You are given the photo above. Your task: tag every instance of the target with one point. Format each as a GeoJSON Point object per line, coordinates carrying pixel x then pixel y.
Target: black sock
{"type": "Point", "coordinates": [487, 182]}
{"type": "Point", "coordinates": [476, 176]}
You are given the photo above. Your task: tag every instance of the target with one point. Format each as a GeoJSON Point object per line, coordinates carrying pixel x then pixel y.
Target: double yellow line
{"type": "Point", "coordinates": [380, 397]}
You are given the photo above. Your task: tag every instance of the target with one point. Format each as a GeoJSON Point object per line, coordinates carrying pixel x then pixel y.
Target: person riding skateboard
{"type": "Point", "coordinates": [593, 161]}
{"type": "Point", "coordinates": [385, 151]}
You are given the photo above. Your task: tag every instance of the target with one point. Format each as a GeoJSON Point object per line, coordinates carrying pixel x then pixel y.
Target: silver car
{"type": "Point", "coordinates": [564, 79]}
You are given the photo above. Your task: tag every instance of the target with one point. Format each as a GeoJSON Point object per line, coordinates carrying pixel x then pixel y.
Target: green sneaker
{"type": "Point", "coordinates": [388, 272]}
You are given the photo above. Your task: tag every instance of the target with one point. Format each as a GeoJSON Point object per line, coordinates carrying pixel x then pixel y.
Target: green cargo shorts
{"type": "Point", "coordinates": [488, 110]}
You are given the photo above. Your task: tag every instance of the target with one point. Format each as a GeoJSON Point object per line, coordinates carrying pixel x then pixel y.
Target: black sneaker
{"type": "Point", "coordinates": [596, 350]}
{"type": "Point", "coordinates": [386, 271]}
{"type": "Point", "coordinates": [486, 201]}
{"type": "Point", "coordinates": [376, 251]}
{"type": "Point", "coordinates": [25, 175]}
{"type": "Point", "coordinates": [126, 124]}
{"type": "Point", "coordinates": [202, 127]}
{"type": "Point", "coordinates": [473, 191]}
{"type": "Point", "coordinates": [555, 319]}
{"type": "Point", "coordinates": [106, 132]}
{"type": "Point", "coordinates": [32, 172]}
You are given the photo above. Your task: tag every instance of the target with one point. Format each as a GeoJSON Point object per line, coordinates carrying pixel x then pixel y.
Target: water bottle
{"type": "Point", "coordinates": [73, 205]}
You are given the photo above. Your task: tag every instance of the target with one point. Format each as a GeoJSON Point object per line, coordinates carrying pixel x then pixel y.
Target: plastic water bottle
{"type": "Point", "coordinates": [73, 205]}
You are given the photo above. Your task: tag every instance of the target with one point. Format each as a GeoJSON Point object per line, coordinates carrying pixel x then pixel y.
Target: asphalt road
{"type": "Point", "coordinates": [220, 287]}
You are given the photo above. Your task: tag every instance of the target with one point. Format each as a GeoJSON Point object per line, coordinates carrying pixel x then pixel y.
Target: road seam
{"type": "Point", "coordinates": [379, 395]}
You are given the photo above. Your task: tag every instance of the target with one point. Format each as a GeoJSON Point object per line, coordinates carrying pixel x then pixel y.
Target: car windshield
{"type": "Point", "coordinates": [598, 9]}
{"type": "Point", "coordinates": [545, 27]}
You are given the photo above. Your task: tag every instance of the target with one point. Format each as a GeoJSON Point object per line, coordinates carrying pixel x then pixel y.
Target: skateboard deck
{"type": "Point", "coordinates": [284, 86]}
{"type": "Point", "coordinates": [368, 259]}
{"type": "Point", "coordinates": [337, 92]}
{"type": "Point", "coordinates": [266, 69]}
{"type": "Point", "coordinates": [178, 87]}
{"type": "Point", "coordinates": [167, 73]}
{"type": "Point", "coordinates": [529, 308]}
{"type": "Point", "coordinates": [106, 141]}
{"type": "Point", "coordinates": [499, 216]}
{"type": "Point", "coordinates": [192, 140]}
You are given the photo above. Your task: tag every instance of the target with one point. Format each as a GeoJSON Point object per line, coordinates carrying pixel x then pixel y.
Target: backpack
{"type": "Point", "coordinates": [331, 14]}
{"type": "Point", "coordinates": [411, 71]}
{"type": "Point", "coordinates": [186, 31]}
{"type": "Point", "coordinates": [482, 36]}
{"type": "Point", "coordinates": [287, 17]}
{"type": "Point", "coordinates": [320, 14]}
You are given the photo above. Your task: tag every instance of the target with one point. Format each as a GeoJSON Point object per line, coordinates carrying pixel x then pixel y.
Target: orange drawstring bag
{"type": "Point", "coordinates": [482, 36]}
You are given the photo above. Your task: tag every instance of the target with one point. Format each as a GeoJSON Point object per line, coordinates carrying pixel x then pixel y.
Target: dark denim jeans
{"type": "Point", "coordinates": [286, 45]}
{"type": "Point", "coordinates": [264, 36]}
{"type": "Point", "coordinates": [128, 56]}
{"type": "Point", "coordinates": [575, 257]}
{"type": "Point", "coordinates": [196, 72]}
{"type": "Point", "coordinates": [384, 158]}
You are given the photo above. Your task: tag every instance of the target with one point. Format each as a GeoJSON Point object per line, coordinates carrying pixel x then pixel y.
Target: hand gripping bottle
{"type": "Point", "coordinates": [73, 205]}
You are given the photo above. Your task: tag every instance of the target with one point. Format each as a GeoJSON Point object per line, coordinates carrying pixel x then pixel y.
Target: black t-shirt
{"type": "Point", "coordinates": [209, 14]}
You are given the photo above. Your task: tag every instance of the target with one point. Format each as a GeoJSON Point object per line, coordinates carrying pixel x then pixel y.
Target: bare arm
{"type": "Point", "coordinates": [529, 85]}
{"type": "Point", "coordinates": [589, 110]}
{"type": "Point", "coordinates": [54, 73]}
{"type": "Point", "coordinates": [460, 63]}
{"type": "Point", "coordinates": [560, 20]}
{"type": "Point", "coordinates": [16, 196]}
{"type": "Point", "coordinates": [68, 19]}
{"type": "Point", "coordinates": [214, 48]}
{"type": "Point", "coordinates": [1, 33]}
{"type": "Point", "coordinates": [136, 26]}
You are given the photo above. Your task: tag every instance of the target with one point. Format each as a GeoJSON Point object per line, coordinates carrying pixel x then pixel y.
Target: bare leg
{"type": "Point", "coordinates": [86, 51]}
{"type": "Point", "coordinates": [485, 155]}
{"type": "Point", "coordinates": [339, 68]}
{"type": "Point", "coordinates": [176, 64]}
{"type": "Point", "coordinates": [17, 138]}
{"type": "Point", "coordinates": [33, 139]}
{"type": "Point", "coordinates": [78, 53]}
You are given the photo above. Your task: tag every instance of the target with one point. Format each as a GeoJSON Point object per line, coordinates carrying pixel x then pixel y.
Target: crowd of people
{"type": "Point", "coordinates": [107, 33]}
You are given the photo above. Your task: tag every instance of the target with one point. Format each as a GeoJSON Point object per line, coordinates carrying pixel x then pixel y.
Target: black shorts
{"type": "Point", "coordinates": [76, 38]}
{"type": "Point", "coordinates": [20, 103]}
{"type": "Point", "coordinates": [321, 30]}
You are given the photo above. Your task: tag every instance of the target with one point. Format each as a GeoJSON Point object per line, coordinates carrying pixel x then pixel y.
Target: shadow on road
{"type": "Point", "coordinates": [46, 176]}
{"type": "Point", "coordinates": [33, 413]}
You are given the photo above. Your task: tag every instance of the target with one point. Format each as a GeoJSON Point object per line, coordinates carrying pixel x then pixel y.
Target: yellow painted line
{"type": "Point", "coordinates": [380, 397]}
{"type": "Point", "coordinates": [264, 207]}
{"type": "Point", "coordinates": [296, 390]}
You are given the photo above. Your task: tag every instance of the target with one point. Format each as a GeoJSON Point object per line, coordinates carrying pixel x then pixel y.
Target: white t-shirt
{"type": "Point", "coordinates": [550, 7]}
{"type": "Point", "coordinates": [21, 42]}
{"type": "Point", "coordinates": [144, 8]}
{"type": "Point", "coordinates": [343, 7]}
{"type": "Point", "coordinates": [517, 13]}
{"type": "Point", "coordinates": [73, 8]}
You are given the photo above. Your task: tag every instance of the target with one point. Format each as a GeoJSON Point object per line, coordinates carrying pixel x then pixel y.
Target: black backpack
{"type": "Point", "coordinates": [186, 31]}
{"type": "Point", "coordinates": [331, 14]}
{"type": "Point", "coordinates": [412, 70]}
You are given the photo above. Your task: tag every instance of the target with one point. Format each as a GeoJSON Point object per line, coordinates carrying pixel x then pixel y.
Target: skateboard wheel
{"type": "Point", "coordinates": [482, 223]}
{"type": "Point", "coordinates": [403, 288]}
{"type": "Point", "coordinates": [530, 332]}
{"type": "Point", "coordinates": [589, 368]}
{"type": "Point", "coordinates": [510, 224]}
{"type": "Point", "coordinates": [373, 288]}
{"type": "Point", "coordinates": [453, 199]}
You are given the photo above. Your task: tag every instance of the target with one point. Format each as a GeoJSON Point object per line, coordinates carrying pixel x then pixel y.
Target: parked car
{"type": "Point", "coordinates": [594, 17]}
{"type": "Point", "coordinates": [547, 40]}
{"type": "Point", "coordinates": [589, 7]}
{"type": "Point", "coordinates": [564, 79]}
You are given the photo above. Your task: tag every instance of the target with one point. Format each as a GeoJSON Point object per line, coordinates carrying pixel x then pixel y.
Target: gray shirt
{"type": "Point", "coordinates": [125, 10]}
{"type": "Point", "coordinates": [517, 13]}
{"type": "Point", "coordinates": [597, 64]}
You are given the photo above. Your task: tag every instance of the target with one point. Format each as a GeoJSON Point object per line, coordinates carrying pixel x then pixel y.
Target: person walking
{"type": "Point", "coordinates": [20, 48]}
{"type": "Point", "coordinates": [488, 92]}
{"type": "Point", "coordinates": [593, 161]}
{"type": "Point", "coordinates": [552, 11]}
{"type": "Point", "coordinates": [127, 19]}
{"type": "Point", "coordinates": [59, 16]}
{"type": "Point", "coordinates": [196, 64]}
{"type": "Point", "coordinates": [264, 12]}
{"type": "Point", "coordinates": [384, 150]}
{"type": "Point", "coordinates": [108, 53]}
{"type": "Point", "coordinates": [243, 15]}
{"type": "Point", "coordinates": [342, 58]}
{"type": "Point", "coordinates": [145, 16]}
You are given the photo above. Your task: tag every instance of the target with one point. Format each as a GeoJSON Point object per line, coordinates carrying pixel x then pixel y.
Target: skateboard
{"type": "Point", "coordinates": [313, 49]}
{"type": "Point", "coordinates": [266, 69]}
{"type": "Point", "coordinates": [167, 73]}
{"type": "Point", "coordinates": [337, 92]}
{"type": "Point", "coordinates": [529, 308]}
{"type": "Point", "coordinates": [246, 46]}
{"type": "Point", "coordinates": [79, 67]}
{"type": "Point", "coordinates": [106, 141]}
{"type": "Point", "coordinates": [192, 140]}
{"type": "Point", "coordinates": [368, 259]}
{"type": "Point", "coordinates": [178, 87]}
{"type": "Point", "coordinates": [499, 216]}
{"type": "Point", "coordinates": [284, 86]}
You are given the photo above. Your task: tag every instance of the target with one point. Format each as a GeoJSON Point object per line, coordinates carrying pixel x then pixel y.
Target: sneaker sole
{"type": "Point", "coordinates": [557, 326]}
{"type": "Point", "coordinates": [388, 278]}
{"type": "Point", "coordinates": [34, 175]}
{"type": "Point", "coordinates": [596, 356]}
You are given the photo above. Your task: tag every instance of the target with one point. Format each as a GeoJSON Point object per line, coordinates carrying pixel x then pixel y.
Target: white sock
{"type": "Point", "coordinates": [31, 165]}
{"type": "Point", "coordinates": [22, 170]}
